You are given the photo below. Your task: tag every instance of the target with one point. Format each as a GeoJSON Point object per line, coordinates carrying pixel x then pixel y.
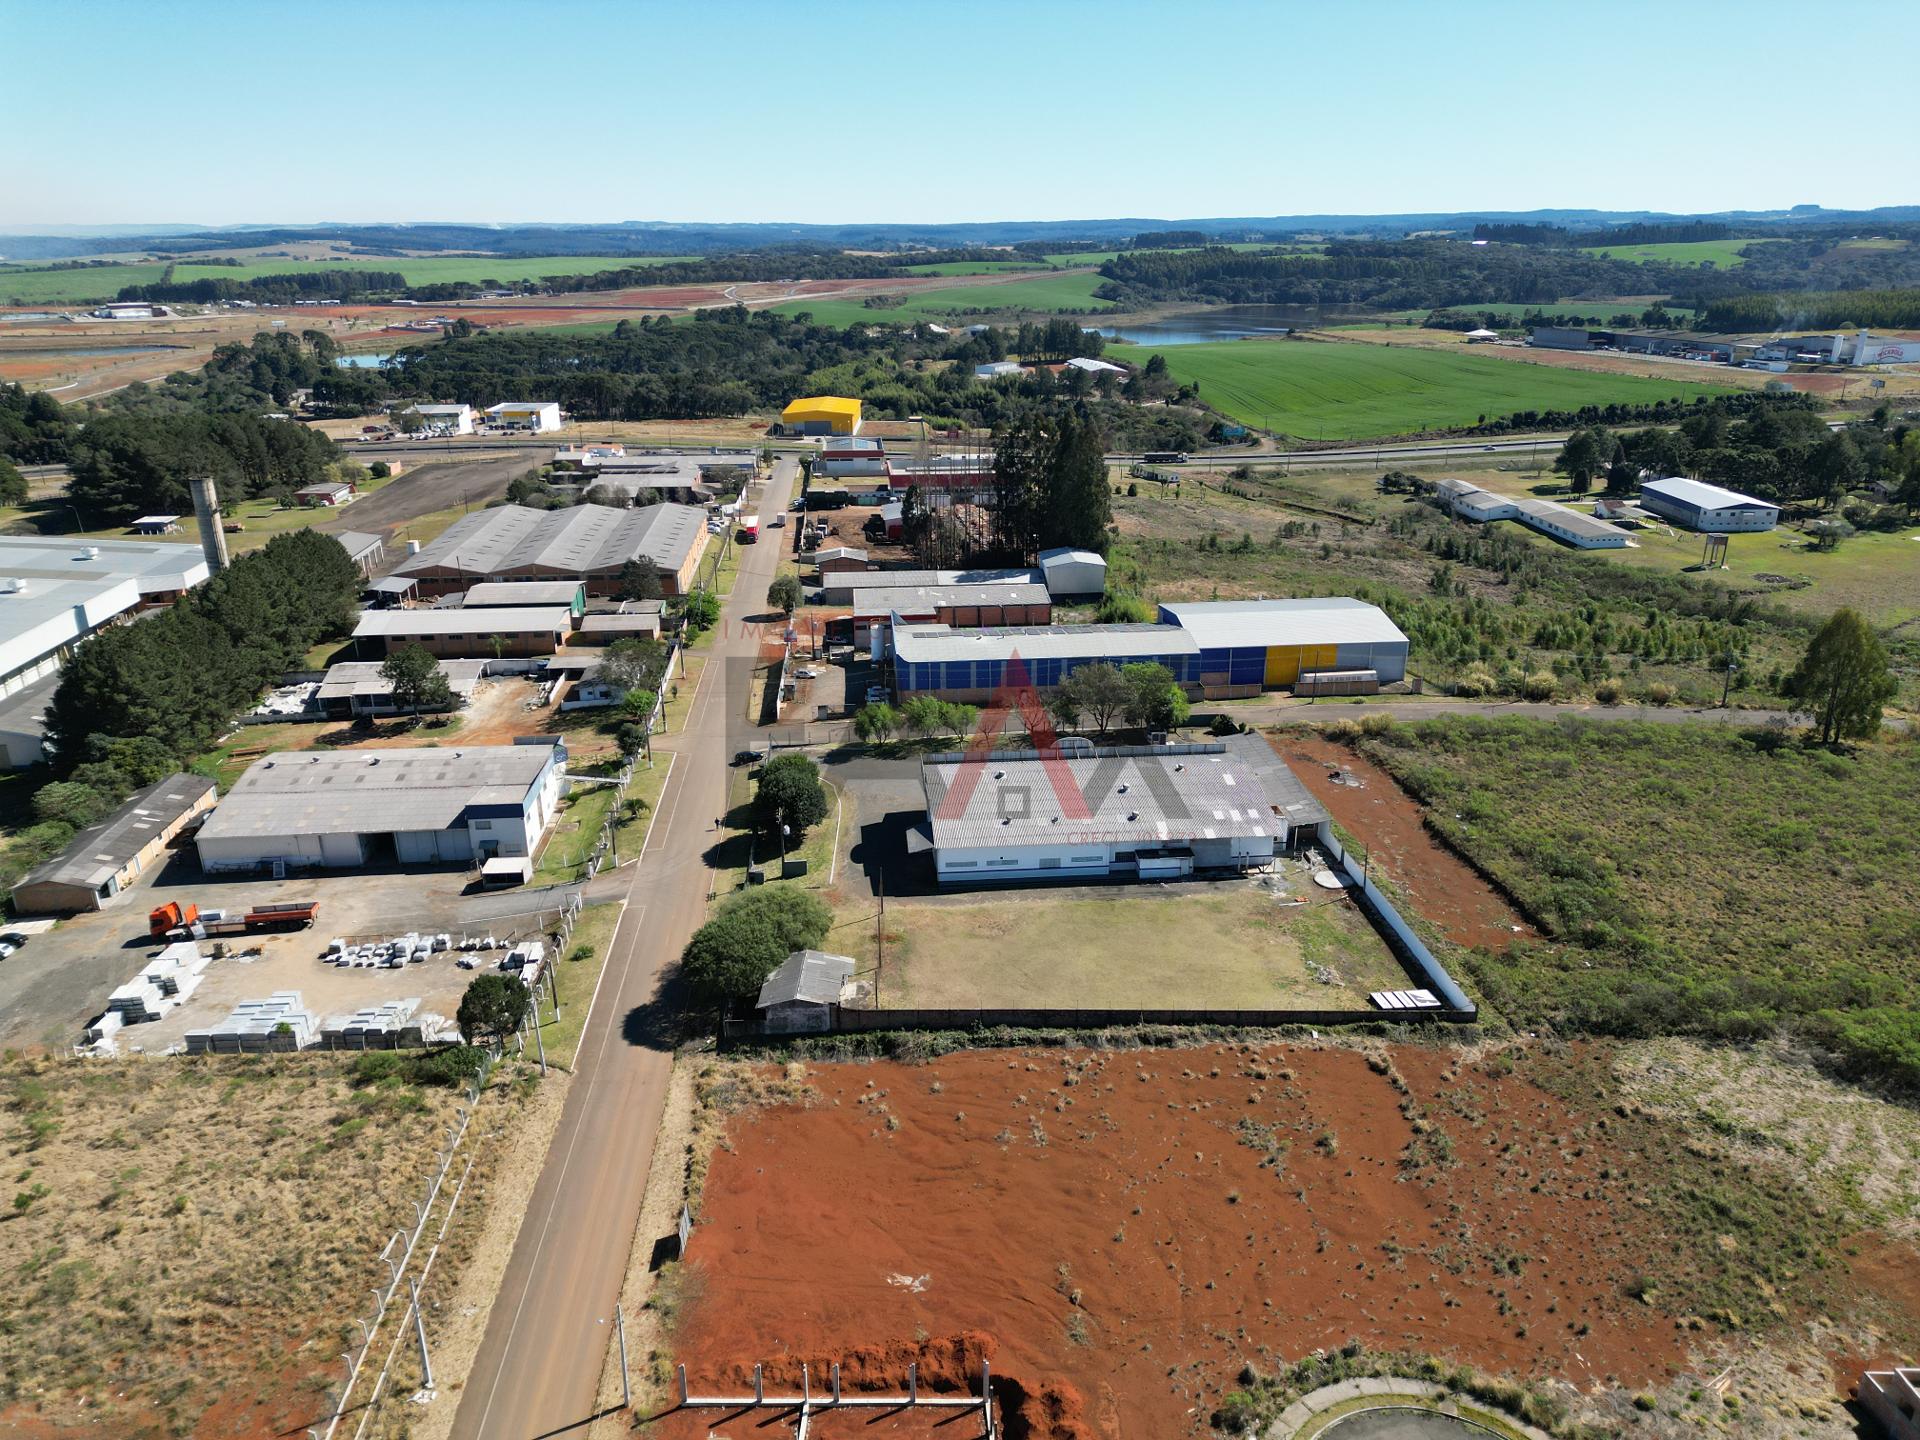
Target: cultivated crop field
{"type": "Point", "coordinates": [1143, 1240]}
{"type": "Point", "coordinates": [1341, 391]}
{"type": "Point", "coordinates": [1724, 254]}
{"type": "Point", "coordinates": [187, 1239]}
{"type": "Point", "coordinates": [1041, 293]}
{"type": "Point", "coordinates": [1690, 878]}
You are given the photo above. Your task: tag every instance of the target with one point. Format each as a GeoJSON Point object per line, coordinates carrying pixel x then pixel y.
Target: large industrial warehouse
{"type": "Point", "coordinates": [1161, 812]}
{"type": "Point", "coordinates": [972, 665]}
{"type": "Point", "coordinates": [343, 809]}
{"type": "Point", "coordinates": [1707, 508]}
{"type": "Point", "coordinates": [583, 543]}
{"type": "Point", "coordinates": [1248, 645]}
{"type": "Point", "coordinates": [110, 854]}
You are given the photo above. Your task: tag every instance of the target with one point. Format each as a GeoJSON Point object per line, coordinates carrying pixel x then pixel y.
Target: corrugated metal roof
{"type": "Point", "coordinates": [869, 579]}
{"type": "Point", "coordinates": [364, 678]}
{"type": "Point", "coordinates": [98, 852]}
{"type": "Point", "coordinates": [821, 407]}
{"type": "Point", "coordinates": [1330, 620]}
{"type": "Point", "coordinates": [810, 976]}
{"type": "Point", "coordinates": [1698, 492]}
{"type": "Point", "coordinates": [917, 644]}
{"type": "Point", "coordinates": [464, 620]}
{"type": "Point", "coordinates": [1164, 795]}
{"type": "Point", "coordinates": [1567, 519]}
{"type": "Point", "coordinates": [913, 599]}
{"type": "Point", "coordinates": [520, 593]}
{"type": "Point", "coordinates": [1064, 556]}
{"type": "Point", "coordinates": [580, 539]}
{"type": "Point", "coordinates": [358, 543]}
{"type": "Point", "coordinates": [358, 792]}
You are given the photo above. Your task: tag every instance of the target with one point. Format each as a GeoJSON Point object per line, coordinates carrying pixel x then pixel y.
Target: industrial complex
{"type": "Point", "coordinates": [587, 544]}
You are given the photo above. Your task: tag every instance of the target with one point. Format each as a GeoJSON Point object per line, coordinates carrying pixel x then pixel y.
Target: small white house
{"type": "Point", "coordinates": [803, 993]}
{"type": "Point", "coordinates": [535, 415]}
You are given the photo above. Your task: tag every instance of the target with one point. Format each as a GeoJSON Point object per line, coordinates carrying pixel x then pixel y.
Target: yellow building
{"type": "Point", "coordinates": [822, 415]}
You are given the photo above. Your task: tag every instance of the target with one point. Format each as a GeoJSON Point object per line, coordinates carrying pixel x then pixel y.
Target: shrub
{"type": "Point", "coordinates": [1608, 692]}
{"type": "Point", "coordinates": [734, 952]}
{"type": "Point", "coordinates": [1477, 681]}
{"type": "Point", "coordinates": [493, 1007]}
{"type": "Point", "coordinates": [1540, 685]}
{"type": "Point", "coordinates": [1660, 694]}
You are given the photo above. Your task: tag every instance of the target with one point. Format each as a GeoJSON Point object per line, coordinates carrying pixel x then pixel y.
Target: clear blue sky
{"type": "Point", "coordinates": [226, 111]}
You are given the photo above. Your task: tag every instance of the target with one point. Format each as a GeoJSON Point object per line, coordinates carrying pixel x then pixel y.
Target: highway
{"type": "Point", "coordinates": [538, 1369]}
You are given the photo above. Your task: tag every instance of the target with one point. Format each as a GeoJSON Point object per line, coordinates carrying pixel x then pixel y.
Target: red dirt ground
{"type": "Point", "coordinates": [1444, 890]}
{"type": "Point", "coordinates": [1114, 1222]}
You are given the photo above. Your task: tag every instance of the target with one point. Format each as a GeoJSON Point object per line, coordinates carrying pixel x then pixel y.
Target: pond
{"type": "Point", "coordinates": [1401, 1424]}
{"type": "Point", "coordinates": [364, 360]}
{"type": "Point", "coordinates": [1222, 322]}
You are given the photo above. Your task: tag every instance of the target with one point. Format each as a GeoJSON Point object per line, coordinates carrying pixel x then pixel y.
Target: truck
{"type": "Point", "coordinates": [750, 530]}
{"type": "Point", "coordinates": [177, 921]}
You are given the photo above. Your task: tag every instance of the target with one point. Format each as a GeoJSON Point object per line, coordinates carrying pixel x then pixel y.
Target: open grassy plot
{"type": "Point", "coordinates": [1043, 293]}
{"type": "Point", "coordinates": [972, 267]}
{"type": "Point", "coordinates": [577, 971]}
{"type": "Point", "coordinates": [1723, 253]}
{"type": "Point", "coordinates": [1510, 313]}
{"type": "Point", "coordinates": [1339, 391]}
{"type": "Point", "coordinates": [575, 832]}
{"type": "Point", "coordinates": [70, 287]}
{"type": "Point", "coordinates": [190, 1236]}
{"type": "Point", "coordinates": [1224, 945]}
{"type": "Point", "coordinates": [1691, 879]}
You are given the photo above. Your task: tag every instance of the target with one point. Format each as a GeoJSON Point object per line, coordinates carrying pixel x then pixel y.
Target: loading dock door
{"type": "Point", "coordinates": [1285, 662]}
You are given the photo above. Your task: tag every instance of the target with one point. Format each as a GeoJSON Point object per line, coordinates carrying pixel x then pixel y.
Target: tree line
{"type": "Point", "coordinates": [126, 466]}
{"type": "Point", "coordinates": [1814, 310]}
{"type": "Point", "coordinates": [271, 289]}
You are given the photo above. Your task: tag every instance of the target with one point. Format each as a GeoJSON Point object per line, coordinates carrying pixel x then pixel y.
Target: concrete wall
{"type": "Point", "coordinates": [796, 1017]}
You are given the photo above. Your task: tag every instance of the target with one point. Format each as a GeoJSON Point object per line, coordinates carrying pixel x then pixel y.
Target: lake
{"type": "Point", "coordinates": [365, 360]}
{"type": "Point", "coordinates": [1223, 322]}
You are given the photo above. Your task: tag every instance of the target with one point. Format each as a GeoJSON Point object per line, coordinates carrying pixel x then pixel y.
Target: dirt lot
{"type": "Point", "coordinates": [1442, 889]}
{"type": "Point", "coordinates": [426, 489]}
{"type": "Point", "coordinates": [194, 1237]}
{"type": "Point", "coordinates": [1125, 1231]}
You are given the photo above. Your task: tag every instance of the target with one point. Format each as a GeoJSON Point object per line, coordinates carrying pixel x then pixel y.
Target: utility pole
{"type": "Point", "coordinates": [420, 1334]}
{"type": "Point", "coordinates": [539, 1043]}
{"type": "Point", "coordinates": [879, 934]}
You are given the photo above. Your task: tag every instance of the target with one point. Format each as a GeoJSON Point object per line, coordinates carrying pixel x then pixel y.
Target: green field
{"type": "Point", "coordinates": [972, 267]}
{"type": "Point", "coordinates": [1510, 313]}
{"type": "Point", "coordinates": [1337, 391]}
{"type": "Point", "coordinates": [1043, 293]}
{"type": "Point", "coordinates": [1723, 253]}
{"type": "Point", "coordinates": [67, 287]}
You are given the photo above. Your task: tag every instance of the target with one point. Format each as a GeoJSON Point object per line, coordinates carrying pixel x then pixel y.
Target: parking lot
{"type": "Point", "coordinates": [62, 978]}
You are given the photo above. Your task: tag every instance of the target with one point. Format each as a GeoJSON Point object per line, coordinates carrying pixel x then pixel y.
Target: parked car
{"type": "Point", "coordinates": [747, 757]}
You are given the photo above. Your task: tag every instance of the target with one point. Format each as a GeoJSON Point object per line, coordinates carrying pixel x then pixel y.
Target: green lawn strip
{"type": "Point", "coordinates": [739, 841]}
{"type": "Point", "coordinates": [680, 693]}
{"type": "Point", "coordinates": [575, 830]}
{"type": "Point", "coordinates": [646, 787]}
{"type": "Point", "coordinates": [576, 979]}
{"type": "Point", "coordinates": [1042, 294]}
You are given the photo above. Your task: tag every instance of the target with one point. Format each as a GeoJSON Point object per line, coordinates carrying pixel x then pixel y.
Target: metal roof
{"type": "Point", "coordinates": [356, 792]}
{"type": "Point", "coordinates": [1330, 620]}
{"type": "Point", "coordinates": [364, 678]}
{"type": "Point", "coordinates": [917, 644]}
{"type": "Point", "coordinates": [866, 579]}
{"type": "Point", "coordinates": [810, 976]}
{"type": "Point", "coordinates": [1064, 556]}
{"type": "Point", "coordinates": [1703, 495]}
{"type": "Point", "coordinates": [1152, 795]}
{"type": "Point", "coordinates": [358, 543]}
{"type": "Point", "coordinates": [840, 552]}
{"type": "Point", "coordinates": [521, 593]}
{"type": "Point", "coordinates": [578, 540]}
{"type": "Point", "coordinates": [1567, 519]}
{"type": "Point", "coordinates": [394, 585]}
{"type": "Point", "coordinates": [914, 599]}
{"type": "Point", "coordinates": [821, 407]}
{"type": "Point", "coordinates": [441, 409]}
{"type": "Point", "coordinates": [1284, 788]}
{"type": "Point", "coordinates": [100, 851]}
{"type": "Point", "coordinates": [1480, 502]}
{"type": "Point", "coordinates": [606, 622]}
{"type": "Point", "coordinates": [156, 565]}
{"type": "Point", "coordinates": [488, 620]}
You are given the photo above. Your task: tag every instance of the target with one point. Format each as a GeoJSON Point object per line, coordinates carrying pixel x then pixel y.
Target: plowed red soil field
{"type": "Point", "coordinates": [1123, 1231]}
{"type": "Point", "coordinates": [1443, 889]}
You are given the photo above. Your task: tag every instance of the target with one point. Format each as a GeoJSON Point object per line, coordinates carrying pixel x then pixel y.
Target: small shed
{"type": "Point", "coordinates": [1069, 572]}
{"type": "Point", "coordinates": [803, 994]}
{"type": "Point", "coordinates": [156, 525]}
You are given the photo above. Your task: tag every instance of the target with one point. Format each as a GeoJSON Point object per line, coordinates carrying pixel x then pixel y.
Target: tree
{"type": "Point", "coordinates": [876, 723]}
{"type": "Point", "coordinates": [493, 1007]}
{"type": "Point", "coordinates": [70, 803]}
{"type": "Point", "coordinates": [13, 485]}
{"type": "Point", "coordinates": [790, 794]}
{"type": "Point", "coordinates": [1844, 678]}
{"type": "Point", "coordinates": [1154, 700]}
{"type": "Point", "coordinates": [639, 580]}
{"type": "Point", "coordinates": [923, 715]}
{"type": "Point", "coordinates": [634, 665]}
{"type": "Point", "coordinates": [416, 680]}
{"type": "Point", "coordinates": [1063, 708]}
{"type": "Point", "coordinates": [1834, 467]}
{"type": "Point", "coordinates": [1587, 453]}
{"type": "Point", "coordinates": [784, 594]}
{"type": "Point", "coordinates": [698, 610]}
{"type": "Point", "coordinates": [1099, 693]}
{"type": "Point", "coordinates": [747, 938]}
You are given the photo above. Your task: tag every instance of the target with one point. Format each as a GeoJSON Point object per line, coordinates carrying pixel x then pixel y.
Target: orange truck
{"type": "Point", "coordinates": [174, 920]}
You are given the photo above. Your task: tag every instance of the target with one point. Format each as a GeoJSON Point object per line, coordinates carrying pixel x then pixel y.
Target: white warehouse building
{"type": "Point", "coordinates": [344, 809]}
{"type": "Point", "coordinates": [1073, 572]}
{"type": "Point", "coordinates": [535, 415]}
{"type": "Point", "coordinates": [1706, 508]}
{"type": "Point", "coordinates": [447, 419]}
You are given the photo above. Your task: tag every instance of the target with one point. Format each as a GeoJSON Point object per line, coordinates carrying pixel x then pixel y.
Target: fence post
{"type": "Point", "coordinates": [626, 1387]}
{"type": "Point", "coordinates": [759, 1390]}
{"type": "Point", "coordinates": [836, 1382]}
{"type": "Point", "coordinates": [683, 1384]}
{"type": "Point", "coordinates": [913, 1383]}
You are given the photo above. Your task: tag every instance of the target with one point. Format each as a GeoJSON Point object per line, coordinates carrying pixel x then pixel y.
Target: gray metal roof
{"type": "Point", "coordinates": [1151, 795]}
{"type": "Point", "coordinates": [1567, 519]}
{"type": "Point", "coordinates": [1698, 492]}
{"type": "Point", "coordinates": [859, 579]}
{"type": "Point", "coordinates": [840, 552]}
{"type": "Point", "coordinates": [98, 852]}
{"type": "Point", "coordinates": [394, 585]}
{"type": "Point", "coordinates": [359, 543]}
{"type": "Point", "coordinates": [606, 622]}
{"type": "Point", "coordinates": [1481, 502]}
{"type": "Point", "coordinates": [1332, 620]}
{"type": "Point", "coordinates": [463, 620]}
{"type": "Point", "coordinates": [810, 976]}
{"type": "Point", "coordinates": [358, 792]}
{"type": "Point", "coordinates": [1284, 788]}
{"type": "Point", "coordinates": [1062, 555]}
{"type": "Point", "coordinates": [920, 643]}
{"type": "Point", "coordinates": [578, 540]}
{"type": "Point", "coordinates": [363, 678]}
{"type": "Point", "coordinates": [520, 593]}
{"type": "Point", "coordinates": [155, 565]}
{"type": "Point", "coordinates": [882, 601]}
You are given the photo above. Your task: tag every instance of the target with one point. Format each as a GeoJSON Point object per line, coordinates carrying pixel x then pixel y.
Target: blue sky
{"type": "Point", "coordinates": [227, 111]}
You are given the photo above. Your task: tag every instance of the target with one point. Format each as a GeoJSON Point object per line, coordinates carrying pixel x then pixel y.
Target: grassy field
{"type": "Point", "coordinates": [238, 1201]}
{"type": "Point", "coordinates": [1691, 879]}
{"type": "Point", "coordinates": [577, 978]}
{"type": "Point", "coordinates": [1339, 391]}
{"type": "Point", "coordinates": [1043, 293]}
{"type": "Point", "coordinates": [103, 282]}
{"type": "Point", "coordinates": [575, 831]}
{"type": "Point", "coordinates": [1724, 254]}
{"type": "Point", "coordinates": [972, 267]}
{"type": "Point", "coordinates": [1228, 946]}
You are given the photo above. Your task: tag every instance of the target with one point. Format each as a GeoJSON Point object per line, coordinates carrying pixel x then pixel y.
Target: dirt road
{"type": "Point", "coordinates": [538, 1370]}
{"type": "Point", "coordinates": [433, 486]}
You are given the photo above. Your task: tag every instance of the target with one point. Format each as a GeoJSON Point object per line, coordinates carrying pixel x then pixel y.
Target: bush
{"type": "Point", "coordinates": [1540, 685]}
{"type": "Point", "coordinates": [734, 952]}
{"type": "Point", "coordinates": [493, 1007]}
{"type": "Point", "coordinates": [1477, 681]}
{"type": "Point", "coordinates": [1660, 694]}
{"type": "Point", "coordinates": [790, 793]}
{"type": "Point", "coordinates": [1608, 692]}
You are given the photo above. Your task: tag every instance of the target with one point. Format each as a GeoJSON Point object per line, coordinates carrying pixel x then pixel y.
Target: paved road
{"type": "Point", "coordinates": [538, 1369]}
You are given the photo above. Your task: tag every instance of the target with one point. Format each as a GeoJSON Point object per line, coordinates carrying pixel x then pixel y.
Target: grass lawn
{"type": "Point", "coordinates": [1722, 253]}
{"type": "Point", "coordinates": [575, 831]}
{"type": "Point", "coordinates": [69, 287]}
{"type": "Point", "coordinates": [576, 979]}
{"type": "Point", "coordinates": [1690, 879]}
{"type": "Point", "coordinates": [1224, 946]}
{"type": "Point", "coordinates": [1510, 313]}
{"type": "Point", "coordinates": [739, 844]}
{"type": "Point", "coordinates": [680, 693]}
{"type": "Point", "coordinates": [1043, 293]}
{"type": "Point", "coordinates": [647, 786]}
{"type": "Point", "coordinates": [972, 267]}
{"type": "Point", "coordinates": [1340, 391]}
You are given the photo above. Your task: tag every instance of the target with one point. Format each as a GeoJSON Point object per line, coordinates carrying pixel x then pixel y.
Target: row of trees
{"type": "Point", "coordinates": [125, 466]}
{"type": "Point", "coordinates": [1815, 310]}
{"type": "Point", "coordinates": [1050, 483]}
{"type": "Point", "coordinates": [1099, 697]}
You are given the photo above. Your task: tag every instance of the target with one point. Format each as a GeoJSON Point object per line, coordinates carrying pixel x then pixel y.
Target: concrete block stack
{"type": "Point", "coordinates": [378, 1027]}
{"type": "Point", "coordinates": [280, 1022]}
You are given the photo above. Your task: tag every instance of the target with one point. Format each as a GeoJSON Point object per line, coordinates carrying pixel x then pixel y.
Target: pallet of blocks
{"type": "Point", "coordinates": [378, 1027]}
{"type": "Point", "coordinates": [280, 1022]}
